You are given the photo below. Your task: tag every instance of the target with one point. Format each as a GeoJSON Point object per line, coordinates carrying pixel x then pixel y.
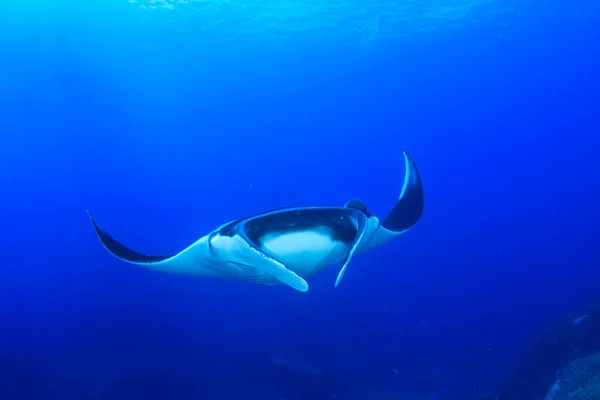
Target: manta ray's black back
{"type": "Point", "coordinates": [572, 338]}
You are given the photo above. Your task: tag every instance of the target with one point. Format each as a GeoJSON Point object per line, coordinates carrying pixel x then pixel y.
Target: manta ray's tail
{"type": "Point", "coordinates": [409, 206]}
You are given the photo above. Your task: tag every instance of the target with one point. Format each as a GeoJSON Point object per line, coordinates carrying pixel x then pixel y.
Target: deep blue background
{"type": "Point", "coordinates": [164, 135]}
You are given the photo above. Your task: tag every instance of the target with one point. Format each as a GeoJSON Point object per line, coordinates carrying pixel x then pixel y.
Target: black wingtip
{"type": "Point", "coordinates": [409, 207]}
{"type": "Point", "coordinates": [120, 251]}
{"type": "Point", "coordinates": [101, 234]}
{"type": "Point", "coordinates": [96, 227]}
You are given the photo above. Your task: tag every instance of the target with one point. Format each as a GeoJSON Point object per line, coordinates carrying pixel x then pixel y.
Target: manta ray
{"type": "Point", "coordinates": [286, 245]}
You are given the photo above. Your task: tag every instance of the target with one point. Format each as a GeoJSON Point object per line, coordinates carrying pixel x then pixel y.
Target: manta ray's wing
{"type": "Point", "coordinates": [194, 260]}
{"type": "Point", "coordinates": [122, 252]}
{"type": "Point", "coordinates": [407, 210]}
{"type": "Point", "coordinates": [409, 206]}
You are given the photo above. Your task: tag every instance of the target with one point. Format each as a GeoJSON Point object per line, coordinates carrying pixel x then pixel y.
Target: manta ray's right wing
{"type": "Point", "coordinates": [406, 212]}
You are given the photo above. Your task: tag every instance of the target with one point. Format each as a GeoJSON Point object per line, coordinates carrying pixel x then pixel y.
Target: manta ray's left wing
{"type": "Point", "coordinates": [194, 260]}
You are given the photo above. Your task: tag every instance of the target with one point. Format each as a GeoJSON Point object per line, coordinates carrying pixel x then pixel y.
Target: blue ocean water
{"type": "Point", "coordinates": [168, 118]}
